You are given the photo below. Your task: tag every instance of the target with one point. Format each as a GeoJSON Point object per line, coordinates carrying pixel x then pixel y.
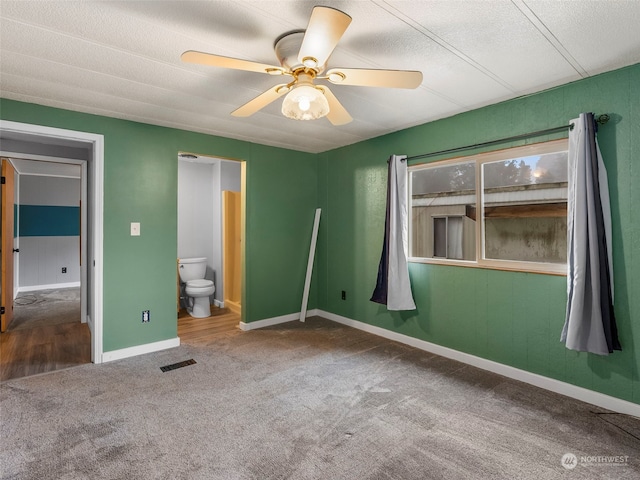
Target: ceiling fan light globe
{"type": "Point", "coordinates": [305, 102]}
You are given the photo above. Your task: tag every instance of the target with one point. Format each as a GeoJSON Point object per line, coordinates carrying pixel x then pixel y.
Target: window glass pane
{"type": "Point", "coordinates": [439, 195]}
{"type": "Point", "coordinates": [440, 237]}
{"type": "Point", "coordinates": [525, 208]}
{"type": "Point", "coordinates": [454, 238]}
{"type": "Point", "coordinates": [445, 179]}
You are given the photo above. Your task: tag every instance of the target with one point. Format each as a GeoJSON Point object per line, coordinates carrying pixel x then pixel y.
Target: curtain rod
{"type": "Point", "coordinates": [601, 119]}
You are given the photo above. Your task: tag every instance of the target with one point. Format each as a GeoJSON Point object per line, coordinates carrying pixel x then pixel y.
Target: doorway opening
{"type": "Point", "coordinates": [50, 149]}
{"type": "Point", "coordinates": [46, 330]}
{"type": "Point", "coordinates": [210, 226]}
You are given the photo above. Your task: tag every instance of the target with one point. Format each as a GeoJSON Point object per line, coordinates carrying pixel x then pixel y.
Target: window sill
{"type": "Point", "coordinates": [524, 267]}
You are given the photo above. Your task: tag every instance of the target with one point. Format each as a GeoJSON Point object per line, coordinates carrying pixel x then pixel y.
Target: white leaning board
{"type": "Point", "coordinates": [312, 253]}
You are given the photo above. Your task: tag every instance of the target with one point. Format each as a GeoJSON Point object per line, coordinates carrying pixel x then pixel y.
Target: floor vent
{"type": "Point", "coordinates": [173, 366]}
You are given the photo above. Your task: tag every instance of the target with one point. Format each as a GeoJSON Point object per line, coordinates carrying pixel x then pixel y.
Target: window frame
{"type": "Point", "coordinates": [480, 159]}
{"type": "Point", "coordinates": [447, 217]}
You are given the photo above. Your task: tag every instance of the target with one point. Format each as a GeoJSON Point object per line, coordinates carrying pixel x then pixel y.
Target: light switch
{"type": "Point", "coordinates": [135, 229]}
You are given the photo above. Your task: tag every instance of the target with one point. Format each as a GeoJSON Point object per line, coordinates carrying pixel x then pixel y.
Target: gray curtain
{"type": "Point", "coordinates": [393, 287]}
{"type": "Point", "coordinates": [590, 324]}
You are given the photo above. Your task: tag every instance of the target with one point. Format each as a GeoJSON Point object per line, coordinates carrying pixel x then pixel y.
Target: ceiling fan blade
{"type": "Point", "coordinates": [325, 29]}
{"type": "Point", "coordinates": [191, 56]}
{"type": "Point", "coordinates": [337, 115]}
{"type": "Point", "coordinates": [261, 101]}
{"type": "Point", "coordinates": [375, 78]}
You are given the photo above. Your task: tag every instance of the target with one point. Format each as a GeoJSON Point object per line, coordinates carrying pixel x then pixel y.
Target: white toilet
{"type": "Point", "coordinates": [197, 289]}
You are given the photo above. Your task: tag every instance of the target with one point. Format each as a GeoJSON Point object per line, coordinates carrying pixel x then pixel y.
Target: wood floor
{"type": "Point", "coordinates": [43, 349]}
{"type": "Point", "coordinates": [199, 331]}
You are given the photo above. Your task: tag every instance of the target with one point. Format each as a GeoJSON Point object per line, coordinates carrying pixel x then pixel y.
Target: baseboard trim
{"type": "Point", "coordinates": [51, 286]}
{"type": "Point", "coordinates": [140, 349]}
{"type": "Point", "coordinates": [218, 303]}
{"type": "Point", "coordinates": [235, 307]}
{"type": "Point", "coordinates": [267, 322]}
{"type": "Point", "coordinates": [557, 386]}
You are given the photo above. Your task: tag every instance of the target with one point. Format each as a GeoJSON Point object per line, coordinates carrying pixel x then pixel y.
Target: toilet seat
{"type": "Point", "coordinates": [200, 288]}
{"type": "Point", "coordinates": [200, 283]}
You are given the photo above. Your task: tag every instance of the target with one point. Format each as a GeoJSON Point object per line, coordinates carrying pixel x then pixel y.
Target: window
{"type": "Point", "coordinates": [505, 209]}
{"type": "Point", "coordinates": [447, 237]}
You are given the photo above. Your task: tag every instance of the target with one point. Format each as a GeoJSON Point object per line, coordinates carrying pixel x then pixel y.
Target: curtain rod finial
{"type": "Point", "coordinates": [602, 119]}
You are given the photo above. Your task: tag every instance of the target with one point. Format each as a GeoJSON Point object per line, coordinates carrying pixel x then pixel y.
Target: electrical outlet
{"type": "Point", "coordinates": [64, 269]}
{"type": "Point", "coordinates": [344, 295]}
{"type": "Point", "coordinates": [146, 316]}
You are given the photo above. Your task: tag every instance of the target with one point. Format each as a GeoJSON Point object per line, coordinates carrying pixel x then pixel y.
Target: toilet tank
{"type": "Point", "coordinates": [192, 268]}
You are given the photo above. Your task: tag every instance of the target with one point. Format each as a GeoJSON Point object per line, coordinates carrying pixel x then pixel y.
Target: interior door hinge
{"type": "Point", "coordinates": [1, 310]}
{"type": "Point", "coordinates": [4, 180]}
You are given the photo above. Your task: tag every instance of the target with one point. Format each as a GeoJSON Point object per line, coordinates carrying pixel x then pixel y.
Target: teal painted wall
{"type": "Point", "coordinates": [140, 184]}
{"type": "Point", "coordinates": [49, 221]}
{"type": "Point", "coordinates": [511, 318]}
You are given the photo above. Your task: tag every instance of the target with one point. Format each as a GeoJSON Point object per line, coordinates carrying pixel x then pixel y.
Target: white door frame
{"type": "Point", "coordinates": [94, 317]}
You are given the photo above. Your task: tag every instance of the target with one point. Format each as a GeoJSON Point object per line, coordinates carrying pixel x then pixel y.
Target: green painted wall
{"type": "Point", "coordinates": [140, 175]}
{"type": "Point", "coordinates": [511, 318]}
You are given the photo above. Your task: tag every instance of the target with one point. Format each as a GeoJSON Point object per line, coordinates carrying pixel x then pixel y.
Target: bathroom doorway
{"type": "Point", "coordinates": [207, 188]}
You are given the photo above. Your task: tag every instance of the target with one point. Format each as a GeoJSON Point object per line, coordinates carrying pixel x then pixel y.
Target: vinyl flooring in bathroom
{"type": "Point", "coordinates": [200, 331]}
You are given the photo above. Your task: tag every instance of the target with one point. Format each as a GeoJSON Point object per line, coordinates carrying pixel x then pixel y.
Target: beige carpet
{"type": "Point", "coordinates": [302, 401]}
{"type": "Point", "coordinates": [45, 308]}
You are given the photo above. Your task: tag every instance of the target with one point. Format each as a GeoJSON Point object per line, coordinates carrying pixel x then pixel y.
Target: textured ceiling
{"type": "Point", "coordinates": [122, 59]}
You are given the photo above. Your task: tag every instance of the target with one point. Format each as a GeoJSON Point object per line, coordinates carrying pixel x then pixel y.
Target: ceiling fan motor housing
{"type": "Point", "coordinates": [287, 48]}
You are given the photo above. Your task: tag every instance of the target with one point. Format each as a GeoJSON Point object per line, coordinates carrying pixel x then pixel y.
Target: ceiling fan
{"type": "Point", "coordinates": [303, 55]}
